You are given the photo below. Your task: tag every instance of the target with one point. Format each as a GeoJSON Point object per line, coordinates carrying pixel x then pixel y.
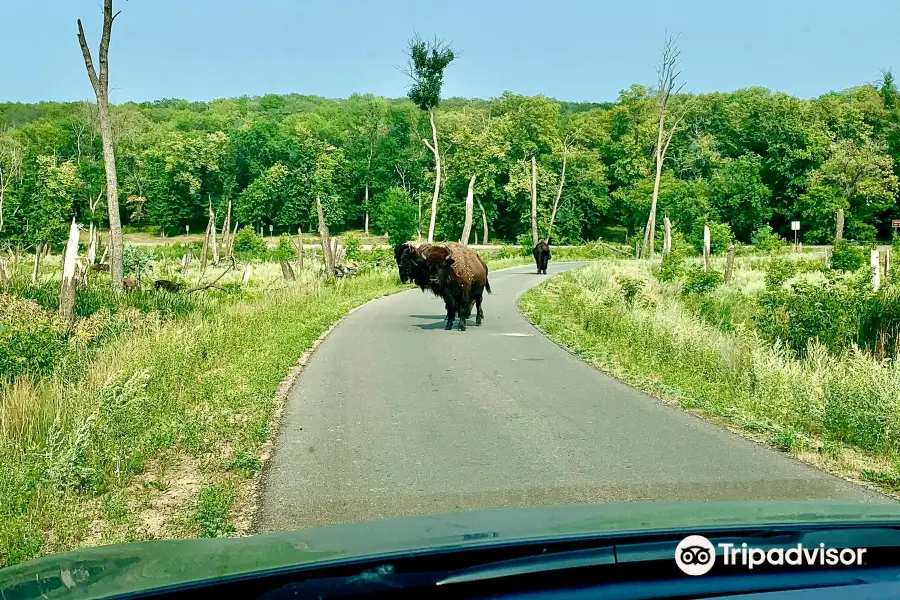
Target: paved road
{"type": "Point", "coordinates": [395, 416]}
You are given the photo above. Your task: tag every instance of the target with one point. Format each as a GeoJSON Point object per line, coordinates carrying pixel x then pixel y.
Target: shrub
{"type": "Point", "coordinates": [248, 244]}
{"type": "Point", "coordinates": [671, 267]}
{"type": "Point", "coordinates": [766, 240]}
{"type": "Point", "coordinates": [630, 288]}
{"type": "Point", "coordinates": [396, 216]}
{"type": "Point", "coordinates": [136, 260]}
{"type": "Point", "coordinates": [284, 250]}
{"type": "Point", "coordinates": [352, 247]}
{"type": "Point", "coordinates": [829, 313]}
{"type": "Point", "coordinates": [31, 338]}
{"type": "Point", "coordinates": [779, 271]}
{"type": "Point", "coordinates": [701, 281]}
{"type": "Point", "coordinates": [846, 257]}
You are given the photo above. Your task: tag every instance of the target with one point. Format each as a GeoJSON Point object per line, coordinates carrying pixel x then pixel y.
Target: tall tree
{"type": "Point", "coordinates": [427, 63]}
{"type": "Point", "coordinates": [668, 78]}
{"type": "Point", "coordinates": [100, 83]}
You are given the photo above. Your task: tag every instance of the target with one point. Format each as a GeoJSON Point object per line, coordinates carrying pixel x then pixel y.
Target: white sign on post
{"type": "Point", "coordinates": [795, 225]}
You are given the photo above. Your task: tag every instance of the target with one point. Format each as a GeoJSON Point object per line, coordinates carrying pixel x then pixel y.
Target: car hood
{"type": "Point", "coordinates": [126, 568]}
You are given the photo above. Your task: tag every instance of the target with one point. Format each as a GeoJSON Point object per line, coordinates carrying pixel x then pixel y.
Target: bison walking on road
{"type": "Point", "coordinates": [541, 254]}
{"type": "Point", "coordinates": [462, 278]}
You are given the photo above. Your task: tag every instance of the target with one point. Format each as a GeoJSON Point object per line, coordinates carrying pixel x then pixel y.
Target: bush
{"type": "Point", "coordinates": [630, 288]}
{"type": "Point", "coordinates": [136, 260]}
{"type": "Point", "coordinates": [31, 338]}
{"type": "Point", "coordinates": [846, 257]}
{"type": "Point", "coordinates": [284, 251]}
{"type": "Point", "coordinates": [830, 313]}
{"type": "Point", "coordinates": [766, 240]}
{"type": "Point", "coordinates": [248, 244]}
{"type": "Point", "coordinates": [671, 267]}
{"type": "Point", "coordinates": [396, 216]}
{"type": "Point", "coordinates": [352, 247]}
{"type": "Point", "coordinates": [700, 281]}
{"type": "Point", "coordinates": [779, 271]}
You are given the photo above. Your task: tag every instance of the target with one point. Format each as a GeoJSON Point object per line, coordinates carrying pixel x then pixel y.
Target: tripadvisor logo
{"type": "Point", "coordinates": [696, 555]}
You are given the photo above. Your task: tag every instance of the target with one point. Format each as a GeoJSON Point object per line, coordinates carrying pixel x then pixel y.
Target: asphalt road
{"type": "Point", "coordinates": [395, 416]}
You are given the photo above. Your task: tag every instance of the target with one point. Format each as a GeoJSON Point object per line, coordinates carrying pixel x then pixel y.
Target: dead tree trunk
{"type": "Point", "coordinates": [38, 254]}
{"type": "Point", "coordinates": [876, 270]}
{"type": "Point", "coordinates": [4, 272]}
{"type": "Point", "coordinates": [667, 242]}
{"type": "Point", "coordinates": [706, 248]}
{"type": "Point", "coordinates": [67, 286]}
{"type": "Point", "coordinates": [534, 227]}
{"type": "Point", "coordinates": [366, 229]}
{"type": "Point", "coordinates": [433, 146]}
{"type": "Point", "coordinates": [226, 225]}
{"type": "Point", "coordinates": [839, 224]}
{"type": "Point", "coordinates": [287, 271]}
{"type": "Point", "coordinates": [100, 83]}
{"type": "Point", "coordinates": [470, 206]}
{"type": "Point", "coordinates": [231, 240]}
{"type": "Point", "coordinates": [484, 221]}
{"type": "Point", "coordinates": [205, 249]}
{"type": "Point", "coordinates": [212, 233]}
{"type": "Point", "coordinates": [729, 264]}
{"type": "Point", "coordinates": [667, 80]}
{"type": "Point", "coordinates": [887, 262]}
{"type": "Point", "coordinates": [559, 190]}
{"type": "Point", "coordinates": [325, 239]}
{"type": "Point", "coordinates": [247, 273]}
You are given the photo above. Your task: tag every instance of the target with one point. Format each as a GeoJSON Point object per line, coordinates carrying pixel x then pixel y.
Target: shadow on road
{"type": "Point", "coordinates": [438, 325]}
{"type": "Point", "coordinates": [426, 316]}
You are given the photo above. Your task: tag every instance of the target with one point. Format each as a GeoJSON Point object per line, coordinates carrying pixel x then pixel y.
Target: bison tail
{"type": "Point", "coordinates": [487, 286]}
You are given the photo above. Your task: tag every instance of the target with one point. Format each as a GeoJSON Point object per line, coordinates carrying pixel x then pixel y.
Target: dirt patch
{"type": "Point", "coordinates": [172, 494]}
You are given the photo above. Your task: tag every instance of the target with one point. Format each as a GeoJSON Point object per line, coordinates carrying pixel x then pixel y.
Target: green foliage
{"type": "Point", "coordinates": [671, 267]}
{"type": "Point", "coordinates": [284, 251]}
{"type": "Point", "coordinates": [766, 240]}
{"type": "Point", "coordinates": [32, 339]}
{"type": "Point", "coordinates": [136, 260]}
{"type": "Point", "coordinates": [396, 216]}
{"type": "Point", "coordinates": [248, 244]}
{"type": "Point", "coordinates": [779, 271]}
{"type": "Point", "coordinates": [829, 313]}
{"type": "Point", "coordinates": [352, 247]}
{"type": "Point", "coordinates": [698, 280]}
{"type": "Point", "coordinates": [630, 288]}
{"type": "Point", "coordinates": [428, 60]}
{"type": "Point", "coordinates": [212, 511]}
{"type": "Point", "coordinates": [847, 257]}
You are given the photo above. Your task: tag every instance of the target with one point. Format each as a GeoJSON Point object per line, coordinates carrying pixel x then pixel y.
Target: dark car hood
{"type": "Point", "coordinates": [125, 568]}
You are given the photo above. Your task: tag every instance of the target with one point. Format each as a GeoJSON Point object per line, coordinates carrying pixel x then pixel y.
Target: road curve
{"type": "Point", "coordinates": [395, 416]}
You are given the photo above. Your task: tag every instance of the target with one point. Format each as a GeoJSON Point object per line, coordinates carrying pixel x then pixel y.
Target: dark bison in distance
{"type": "Point", "coordinates": [541, 254]}
{"type": "Point", "coordinates": [449, 271]}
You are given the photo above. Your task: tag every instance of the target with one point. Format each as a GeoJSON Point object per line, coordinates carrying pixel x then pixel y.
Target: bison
{"type": "Point", "coordinates": [167, 285]}
{"type": "Point", "coordinates": [458, 275]}
{"type": "Point", "coordinates": [404, 255]}
{"type": "Point", "coordinates": [130, 285]}
{"type": "Point", "coordinates": [541, 254]}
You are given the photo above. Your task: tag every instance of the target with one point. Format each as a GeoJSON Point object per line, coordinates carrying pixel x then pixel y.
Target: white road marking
{"type": "Point", "coordinates": [517, 334]}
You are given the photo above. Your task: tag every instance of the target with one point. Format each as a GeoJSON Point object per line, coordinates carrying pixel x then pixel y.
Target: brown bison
{"type": "Point", "coordinates": [405, 254]}
{"type": "Point", "coordinates": [458, 275]}
{"type": "Point", "coordinates": [167, 285]}
{"type": "Point", "coordinates": [541, 254]}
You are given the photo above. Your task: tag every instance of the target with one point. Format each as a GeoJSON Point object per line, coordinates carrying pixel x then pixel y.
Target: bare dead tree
{"type": "Point", "coordinates": [668, 79]}
{"type": "Point", "coordinates": [470, 206]}
{"type": "Point", "coordinates": [93, 231]}
{"type": "Point", "coordinates": [325, 239]}
{"type": "Point", "coordinates": [559, 190]}
{"type": "Point", "coordinates": [100, 83]}
{"type": "Point", "coordinates": [484, 222]}
{"type": "Point", "coordinates": [67, 285]}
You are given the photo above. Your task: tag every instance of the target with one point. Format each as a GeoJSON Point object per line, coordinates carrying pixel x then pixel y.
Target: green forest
{"type": "Point", "coordinates": [739, 161]}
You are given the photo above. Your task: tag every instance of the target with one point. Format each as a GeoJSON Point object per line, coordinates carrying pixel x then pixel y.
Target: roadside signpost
{"type": "Point", "coordinates": [795, 227]}
{"type": "Point", "coordinates": [895, 223]}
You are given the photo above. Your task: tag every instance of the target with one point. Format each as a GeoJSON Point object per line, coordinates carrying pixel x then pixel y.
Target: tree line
{"type": "Point", "coordinates": [738, 161]}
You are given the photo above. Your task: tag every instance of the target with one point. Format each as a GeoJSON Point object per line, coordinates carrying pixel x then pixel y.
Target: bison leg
{"type": "Point", "coordinates": [465, 309]}
{"type": "Point", "coordinates": [480, 316]}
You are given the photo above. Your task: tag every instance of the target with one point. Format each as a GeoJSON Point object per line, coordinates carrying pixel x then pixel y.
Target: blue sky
{"type": "Point", "coordinates": [205, 49]}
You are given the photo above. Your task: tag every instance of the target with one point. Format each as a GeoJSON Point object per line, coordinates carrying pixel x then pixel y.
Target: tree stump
{"type": "Point", "coordinates": [729, 264]}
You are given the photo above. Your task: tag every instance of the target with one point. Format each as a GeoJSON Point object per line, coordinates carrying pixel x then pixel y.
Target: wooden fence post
{"type": "Point", "coordinates": [729, 264]}
{"type": "Point", "coordinates": [706, 247]}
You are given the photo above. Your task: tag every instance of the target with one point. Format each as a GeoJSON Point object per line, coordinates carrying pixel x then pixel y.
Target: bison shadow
{"type": "Point", "coordinates": [426, 316]}
{"type": "Point", "coordinates": [438, 325]}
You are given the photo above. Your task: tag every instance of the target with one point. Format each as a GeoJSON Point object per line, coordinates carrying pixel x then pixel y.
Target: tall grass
{"type": "Point", "coordinates": [200, 386]}
{"type": "Point", "coordinates": [659, 345]}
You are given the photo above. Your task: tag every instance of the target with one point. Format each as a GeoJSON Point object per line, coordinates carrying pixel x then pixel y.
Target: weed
{"type": "Point", "coordinates": [212, 509]}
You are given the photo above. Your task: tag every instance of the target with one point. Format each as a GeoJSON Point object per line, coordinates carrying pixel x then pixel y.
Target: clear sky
{"type": "Point", "coordinates": [589, 50]}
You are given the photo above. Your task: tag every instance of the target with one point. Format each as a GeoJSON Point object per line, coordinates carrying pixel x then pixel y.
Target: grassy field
{"type": "Point", "coordinates": [703, 353]}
